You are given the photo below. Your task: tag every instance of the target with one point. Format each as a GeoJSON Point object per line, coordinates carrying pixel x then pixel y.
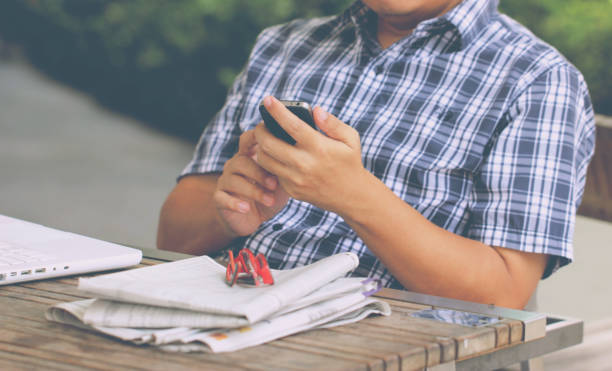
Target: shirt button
{"type": "Point", "coordinates": [277, 227]}
{"type": "Point", "coordinates": [379, 69]}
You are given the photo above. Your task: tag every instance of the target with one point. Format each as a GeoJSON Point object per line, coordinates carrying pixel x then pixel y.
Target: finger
{"type": "Point", "coordinates": [296, 128]}
{"type": "Point", "coordinates": [253, 152]}
{"type": "Point", "coordinates": [270, 144]}
{"type": "Point", "coordinates": [274, 166]}
{"type": "Point", "coordinates": [223, 200]}
{"type": "Point", "coordinates": [247, 142]}
{"type": "Point", "coordinates": [248, 168]}
{"type": "Point", "coordinates": [243, 188]}
{"type": "Point", "coordinates": [336, 129]}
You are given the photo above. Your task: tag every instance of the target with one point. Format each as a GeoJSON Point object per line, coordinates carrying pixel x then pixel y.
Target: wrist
{"type": "Point", "coordinates": [361, 198]}
{"type": "Point", "coordinates": [223, 227]}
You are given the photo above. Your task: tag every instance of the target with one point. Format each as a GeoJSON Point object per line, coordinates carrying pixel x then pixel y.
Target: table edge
{"type": "Point", "coordinates": [542, 333]}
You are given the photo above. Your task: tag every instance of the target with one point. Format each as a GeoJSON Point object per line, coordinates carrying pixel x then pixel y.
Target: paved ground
{"type": "Point", "coordinates": [68, 163]}
{"type": "Point", "coordinates": [583, 288]}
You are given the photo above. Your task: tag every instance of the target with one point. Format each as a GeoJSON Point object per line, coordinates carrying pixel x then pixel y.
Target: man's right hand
{"type": "Point", "coordinates": [246, 195]}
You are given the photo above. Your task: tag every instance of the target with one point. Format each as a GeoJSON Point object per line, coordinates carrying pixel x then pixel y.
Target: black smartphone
{"type": "Point", "coordinates": [300, 109]}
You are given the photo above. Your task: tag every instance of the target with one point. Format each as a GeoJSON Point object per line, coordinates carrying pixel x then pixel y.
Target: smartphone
{"type": "Point", "coordinates": [300, 109]}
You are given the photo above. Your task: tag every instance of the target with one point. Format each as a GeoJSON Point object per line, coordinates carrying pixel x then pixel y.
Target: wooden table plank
{"type": "Point", "coordinates": [370, 362]}
{"type": "Point", "coordinates": [392, 353]}
{"type": "Point", "coordinates": [435, 349]}
{"type": "Point", "coordinates": [29, 298]}
{"type": "Point", "coordinates": [96, 345]}
{"type": "Point", "coordinates": [399, 341]}
{"type": "Point", "coordinates": [145, 262]}
{"type": "Point", "coordinates": [53, 286]}
{"type": "Point", "coordinates": [502, 334]}
{"type": "Point", "coordinates": [45, 295]}
{"type": "Point", "coordinates": [99, 347]}
{"type": "Point", "coordinates": [55, 352]}
{"type": "Point", "coordinates": [517, 331]}
{"type": "Point", "coordinates": [11, 361]}
{"type": "Point", "coordinates": [27, 326]}
{"type": "Point", "coordinates": [468, 340]}
{"type": "Point", "coordinates": [406, 306]}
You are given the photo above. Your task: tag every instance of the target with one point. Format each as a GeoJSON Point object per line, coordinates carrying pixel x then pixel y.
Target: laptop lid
{"type": "Point", "coordinates": [30, 251]}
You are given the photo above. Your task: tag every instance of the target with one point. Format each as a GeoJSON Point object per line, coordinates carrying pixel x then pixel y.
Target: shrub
{"type": "Point", "coordinates": [581, 31]}
{"type": "Point", "coordinates": [169, 63]}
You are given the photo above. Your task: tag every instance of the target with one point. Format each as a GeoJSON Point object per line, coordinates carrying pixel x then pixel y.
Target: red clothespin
{"type": "Point", "coordinates": [248, 269]}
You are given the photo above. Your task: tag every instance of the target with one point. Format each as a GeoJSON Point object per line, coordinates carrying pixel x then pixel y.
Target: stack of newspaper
{"type": "Point", "coordinates": [187, 306]}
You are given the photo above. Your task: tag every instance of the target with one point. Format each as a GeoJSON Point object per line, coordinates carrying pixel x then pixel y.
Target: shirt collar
{"type": "Point", "coordinates": [358, 13]}
{"type": "Point", "coordinates": [468, 18]}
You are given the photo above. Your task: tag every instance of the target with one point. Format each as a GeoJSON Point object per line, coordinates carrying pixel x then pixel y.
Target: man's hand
{"type": "Point", "coordinates": [246, 194]}
{"type": "Point", "coordinates": [318, 169]}
{"type": "Point", "coordinates": [327, 171]}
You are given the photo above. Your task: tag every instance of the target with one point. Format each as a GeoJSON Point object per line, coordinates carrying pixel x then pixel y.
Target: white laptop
{"type": "Point", "coordinates": [31, 251]}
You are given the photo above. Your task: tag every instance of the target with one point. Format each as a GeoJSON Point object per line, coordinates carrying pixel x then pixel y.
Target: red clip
{"type": "Point", "coordinates": [247, 269]}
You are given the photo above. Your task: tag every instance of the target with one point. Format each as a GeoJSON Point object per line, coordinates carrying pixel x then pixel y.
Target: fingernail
{"type": "Point", "coordinates": [322, 114]}
{"type": "Point", "coordinates": [243, 207]}
{"type": "Point", "coordinates": [267, 101]}
{"type": "Point", "coordinates": [268, 200]}
{"type": "Point", "coordinates": [270, 183]}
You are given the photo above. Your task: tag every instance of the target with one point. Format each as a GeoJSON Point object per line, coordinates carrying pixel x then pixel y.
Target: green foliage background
{"type": "Point", "coordinates": [581, 30]}
{"type": "Point", "coordinates": [169, 63]}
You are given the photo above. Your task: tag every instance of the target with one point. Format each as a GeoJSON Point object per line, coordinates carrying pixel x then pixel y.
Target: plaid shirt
{"type": "Point", "coordinates": [473, 121]}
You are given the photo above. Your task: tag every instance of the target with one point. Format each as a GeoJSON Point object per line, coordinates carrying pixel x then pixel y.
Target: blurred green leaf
{"type": "Point", "coordinates": [581, 30]}
{"type": "Point", "coordinates": [170, 62]}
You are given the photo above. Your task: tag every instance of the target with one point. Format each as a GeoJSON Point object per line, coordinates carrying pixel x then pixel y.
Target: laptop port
{"type": "Point", "coordinates": [66, 267]}
{"type": "Point", "coordinates": [2, 276]}
{"type": "Point", "coordinates": [23, 273]}
{"type": "Point", "coordinates": [40, 270]}
{"type": "Point", "coordinates": [13, 274]}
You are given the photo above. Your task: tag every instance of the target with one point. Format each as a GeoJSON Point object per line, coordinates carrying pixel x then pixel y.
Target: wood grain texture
{"type": "Point", "coordinates": [597, 198]}
{"type": "Point", "coordinates": [398, 342]}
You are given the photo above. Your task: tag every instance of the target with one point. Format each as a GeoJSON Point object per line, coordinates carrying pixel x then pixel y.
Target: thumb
{"type": "Point", "coordinates": [335, 129]}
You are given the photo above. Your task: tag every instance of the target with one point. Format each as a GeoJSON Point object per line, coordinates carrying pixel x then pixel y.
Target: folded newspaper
{"type": "Point", "coordinates": [187, 306]}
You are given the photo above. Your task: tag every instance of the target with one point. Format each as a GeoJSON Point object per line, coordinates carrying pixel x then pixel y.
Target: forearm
{"type": "Point", "coordinates": [425, 257]}
{"type": "Point", "coordinates": [327, 171]}
{"type": "Point", "coordinates": [189, 221]}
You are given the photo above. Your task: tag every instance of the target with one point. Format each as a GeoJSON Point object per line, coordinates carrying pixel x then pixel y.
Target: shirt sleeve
{"type": "Point", "coordinates": [528, 189]}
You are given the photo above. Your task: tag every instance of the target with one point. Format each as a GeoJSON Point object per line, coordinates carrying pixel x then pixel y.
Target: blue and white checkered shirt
{"type": "Point", "coordinates": [473, 121]}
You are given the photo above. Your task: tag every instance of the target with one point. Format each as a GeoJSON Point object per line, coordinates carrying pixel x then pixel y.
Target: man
{"type": "Point", "coordinates": [451, 152]}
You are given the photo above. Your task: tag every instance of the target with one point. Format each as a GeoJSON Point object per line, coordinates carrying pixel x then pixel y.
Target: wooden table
{"type": "Point", "coordinates": [28, 341]}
